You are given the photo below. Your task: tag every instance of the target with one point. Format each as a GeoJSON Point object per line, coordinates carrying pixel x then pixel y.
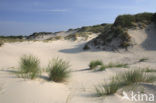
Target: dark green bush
{"type": "Point", "coordinates": [154, 18]}
{"type": "Point", "coordinates": [86, 47]}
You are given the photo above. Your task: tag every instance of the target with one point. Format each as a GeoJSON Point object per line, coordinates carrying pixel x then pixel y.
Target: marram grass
{"type": "Point", "coordinates": [58, 70]}
{"type": "Point", "coordinates": [124, 79]}
{"type": "Point", "coordinates": [29, 67]}
{"type": "Point", "coordinates": [93, 64]}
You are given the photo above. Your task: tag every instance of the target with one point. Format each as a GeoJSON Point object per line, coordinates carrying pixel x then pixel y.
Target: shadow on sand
{"type": "Point", "coordinates": [76, 49]}
{"type": "Point", "coordinates": [150, 42]}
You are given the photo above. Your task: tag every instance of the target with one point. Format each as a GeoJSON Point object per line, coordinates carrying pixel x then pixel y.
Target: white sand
{"type": "Point", "coordinates": [80, 86]}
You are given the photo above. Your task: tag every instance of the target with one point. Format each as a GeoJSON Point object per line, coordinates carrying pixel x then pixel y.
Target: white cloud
{"type": "Point", "coordinates": [55, 10]}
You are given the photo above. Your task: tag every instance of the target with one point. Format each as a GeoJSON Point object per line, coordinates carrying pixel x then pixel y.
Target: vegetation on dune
{"type": "Point", "coordinates": [154, 18]}
{"type": "Point", "coordinates": [85, 32]}
{"type": "Point", "coordinates": [107, 88]}
{"type": "Point", "coordinates": [109, 35]}
{"type": "Point", "coordinates": [124, 79]}
{"type": "Point", "coordinates": [86, 47]}
{"type": "Point", "coordinates": [128, 21]}
{"type": "Point", "coordinates": [75, 36]}
{"type": "Point", "coordinates": [118, 31]}
{"type": "Point", "coordinates": [29, 67]}
{"type": "Point", "coordinates": [93, 64]}
{"type": "Point", "coordinates": [54, 38]}
{"type": "Point", "coordinates": [149, 70]}
{"type": "Point", "coordinates": [1, 43]}
{"type": "Point", "coordinates": [38, 34]}
{"type": "Point", "coordinates": [58, 70]}
{"type": "Point", "coordinates": [124, 21]}
{"type": "Point", "coordinates": [113, 65]}
{"type": "Point", "coordinates": [11, 38]}
{"type": "Point", "coordinates": [135, 76]}
{"type": "Point", "coordinates": [93, 29]}
{"type": "Point", "coordinates": [143, 59]}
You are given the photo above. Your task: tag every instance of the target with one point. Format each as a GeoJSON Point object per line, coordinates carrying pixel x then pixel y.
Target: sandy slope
{"type": "Point", "coordinates": [80, 86]}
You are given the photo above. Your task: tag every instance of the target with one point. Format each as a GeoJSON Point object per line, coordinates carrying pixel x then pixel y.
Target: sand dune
{"type": "Point", "coordinates": [80, 86]}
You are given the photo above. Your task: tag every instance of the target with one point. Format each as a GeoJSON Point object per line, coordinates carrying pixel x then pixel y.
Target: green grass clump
{"type": "Point", "coordinates": [108, 88]}
{"type": "Point", "coordinates": [154, 18]}
{"type": "Point", "coordinates": [58, 70]}
{"type": "Point", "coordinates": [124, 79]}
{"type": "Point", "coordinates": [135, 76]}
{"type": "Point", "coordinates": [1, 43]}
{"type": "Point", "coordinates": [143, 59]}
{"type": "Point", "coordinates": [113, 65]}
{"type": "Point", "coordinates": [103, 67]}
{"type": "Point", "coordinates": [118, 65]}
{"type": "Point", "coordinates": [29, 67]}
{"type": "Point", "coordinates": [95, 63]}
{"type": "Point", "coordinates": [149, 70]}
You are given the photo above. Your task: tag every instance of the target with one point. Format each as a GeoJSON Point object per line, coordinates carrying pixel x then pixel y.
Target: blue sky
{"type": "Point", "coordinates": [23, 17]}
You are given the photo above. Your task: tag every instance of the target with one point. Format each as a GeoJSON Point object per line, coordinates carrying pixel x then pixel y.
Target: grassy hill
{"type": "Point", "coordinates": [115, 36]}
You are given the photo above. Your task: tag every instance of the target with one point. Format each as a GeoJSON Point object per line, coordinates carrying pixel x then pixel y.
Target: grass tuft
{"type": "Point", "coordinates": [1, 43]}
{"type": "Point", "coordinates": [124, 79]}
{"type": "Point", "coordinates": [103, 67]}
{"type": "Point", "coordinates": [29, 67]}
{"type": "Point", "coordinates": [135, 76]}
{"type": "Point", "coordinates": [112, 65]}
{"type": "Point", "coordinates": [95, 63]}
{"type": "Point", "coordinates": [58, 70]}
{"type": "Point", "coordinates": [149, 70]}
{"type": "Point", "coordinates": [108, 88]}
{"type": "Point", "coordinates": [143, 59]}
{"type": "Point", "coordinates": [119, 65]}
